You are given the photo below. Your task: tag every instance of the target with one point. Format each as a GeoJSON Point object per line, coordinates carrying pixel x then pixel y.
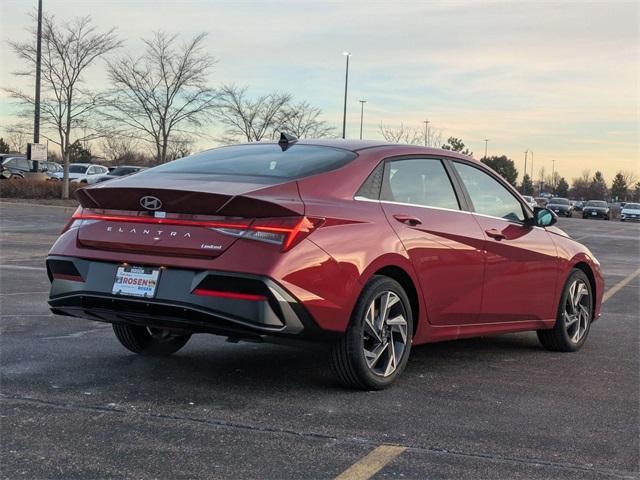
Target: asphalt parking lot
{"type": "Point", "coordinates": [75, 404]}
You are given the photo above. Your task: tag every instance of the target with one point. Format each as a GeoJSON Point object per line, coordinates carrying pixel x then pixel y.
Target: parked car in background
{"type": "Point", "coordinates": [118, 172]}
{"type": "Point", "coordinates": [530, 201]}
{"type": "Point", "coordinates": [630, 212]}
{"type": "Point", "coordinates": [578, 205]}
{"type": "Point", "coordinates": [84, 172]}
{"type": "Point", "coordinates": [596, 209]}
{"type": "Point", "coordinates": [370, 247]}
{"type": "Point", "coordinates": [52, 169]}
{"type": "Point", "coordinates": [561, 206]}
{"type": "Point", "coordinates": [15, 167]}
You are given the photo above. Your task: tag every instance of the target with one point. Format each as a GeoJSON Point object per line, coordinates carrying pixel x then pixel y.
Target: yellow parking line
{"type": "Point", "coordinates": [375, 461]}
{"type": "Point", "coordinates": [618, 286]}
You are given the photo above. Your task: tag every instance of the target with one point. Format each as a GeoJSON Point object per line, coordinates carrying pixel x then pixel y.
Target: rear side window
{"type": "Point", "coordinates": [267, 160]}
{"type": "Point", "coordinates": [489, 197]}
{"type": "Point", "coordinates": [423, 182]}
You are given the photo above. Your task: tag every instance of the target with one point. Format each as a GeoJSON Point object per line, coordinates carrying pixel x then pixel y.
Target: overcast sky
{"type": "Point", "coordinates": [558, 78]}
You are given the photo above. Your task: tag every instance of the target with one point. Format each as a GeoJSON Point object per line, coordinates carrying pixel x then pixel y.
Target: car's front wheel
{"type": "Point", "coordinates": [375, 349]}
{"type": "Point", "coordinates": [573, 320]}
{"type": "Point", "coordinates": [149, 341]}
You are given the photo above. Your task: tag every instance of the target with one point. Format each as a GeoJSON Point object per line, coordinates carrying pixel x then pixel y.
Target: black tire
{"type": "Point", "coordinates": [557, 339]}
{"type": "Point", "coordinates": [347, 358]}
{"type": "Point", "coordinates": [149, 341]}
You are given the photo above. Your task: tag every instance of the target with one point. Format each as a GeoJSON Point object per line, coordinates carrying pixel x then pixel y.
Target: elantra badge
{"type": "Point", "coordinates": [150, 203]}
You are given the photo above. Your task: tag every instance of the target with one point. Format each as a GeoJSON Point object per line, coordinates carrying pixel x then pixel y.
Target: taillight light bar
{"type": "Point", "coordinates": [284, 231]}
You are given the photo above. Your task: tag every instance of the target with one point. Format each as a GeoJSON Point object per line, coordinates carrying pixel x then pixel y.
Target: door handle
{"type": "Point", "coordinates": [493, 233]}
{"type": "Point", "coordinates": [408, 220]}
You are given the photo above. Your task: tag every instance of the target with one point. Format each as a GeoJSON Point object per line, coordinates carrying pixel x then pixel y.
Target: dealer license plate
{"type": "Point", "coordinates": [594, 213]}
{"type": "Point", "coordinates": [136, 281]}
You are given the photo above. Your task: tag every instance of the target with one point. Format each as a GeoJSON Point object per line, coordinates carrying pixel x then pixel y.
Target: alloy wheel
{"type": "Point", "coordinates": [577, 311]}
{"type": "Point", "coordinates": [385, 333]}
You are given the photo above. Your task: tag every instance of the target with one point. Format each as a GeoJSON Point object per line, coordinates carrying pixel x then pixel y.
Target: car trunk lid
{"type": "Point", "coordinates": [185, 215]}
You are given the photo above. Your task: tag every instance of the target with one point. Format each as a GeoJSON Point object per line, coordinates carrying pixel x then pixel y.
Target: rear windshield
{"type": "Point", "coordinates": [267, 160]}
{"type": "Point", "coordinates": [596, 203]}
{"type": "Point", "coordinates": [559, 201]}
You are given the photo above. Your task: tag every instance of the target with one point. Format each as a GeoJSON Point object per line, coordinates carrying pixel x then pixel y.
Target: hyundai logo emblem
{"type": "Point", "coordinates": [150, 203]}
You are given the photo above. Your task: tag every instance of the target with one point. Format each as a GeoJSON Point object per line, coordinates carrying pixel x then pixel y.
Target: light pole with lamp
{"type": "Point", "coordinates": [362, 102]}
{"type": "Point", "coordinates": [346, 83]}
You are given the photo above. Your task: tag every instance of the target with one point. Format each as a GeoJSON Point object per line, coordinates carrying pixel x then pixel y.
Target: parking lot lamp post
{"type": "Point", "coordinates": [426, 133]}
{"type": "Point", "coordinates": [346, 84]}
{"type": "Point", "coordinates": [486, 145]}
{"type": "Point", "coordinates": [36, 113]}
{"type": "Point", "coordinates": [362, 102]}
{"type": "Point", "coordinates": [525, 163]}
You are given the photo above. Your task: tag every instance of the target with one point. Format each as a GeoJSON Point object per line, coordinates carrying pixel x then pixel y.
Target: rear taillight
{"type": "Point", "coordinates": [72, 223]}
{"type": "Point", "coordinates": [283, 231]}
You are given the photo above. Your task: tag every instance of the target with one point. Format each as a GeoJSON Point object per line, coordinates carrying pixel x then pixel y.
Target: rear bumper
{"type": "Point", "coordinates": [590, 214]}
{"type": "Point", "coordinates": [83, 288]}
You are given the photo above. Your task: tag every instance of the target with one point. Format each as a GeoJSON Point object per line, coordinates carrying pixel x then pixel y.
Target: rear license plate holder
{"type": "Point", "coordinates": [135, 281]}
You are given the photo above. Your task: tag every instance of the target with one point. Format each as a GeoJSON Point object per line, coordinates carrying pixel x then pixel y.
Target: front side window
{"type": "Point", "coordinates": [489, 196]}
{"type": "Point", "coordinates": [423, 182]}
{"type": "Point", "coordinates": [77, 168]}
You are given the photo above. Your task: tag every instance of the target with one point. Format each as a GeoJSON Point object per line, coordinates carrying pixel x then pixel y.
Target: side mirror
{"type": "Point", "coordinates": [543, 217]}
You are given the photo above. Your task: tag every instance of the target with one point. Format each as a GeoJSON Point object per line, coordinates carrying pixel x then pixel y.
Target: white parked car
{"type": "Point", "coordinates": [630, 212]}
{"type": "Point", "coordinates": [84, 172]}
{"type": "Point", "coordinates": [530, 201]}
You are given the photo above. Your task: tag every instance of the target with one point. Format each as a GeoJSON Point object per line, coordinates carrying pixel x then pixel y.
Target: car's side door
{"type": "Point", "coordinates": [442, 239]}
{"type": "Point", "coordinates": [521, 260]}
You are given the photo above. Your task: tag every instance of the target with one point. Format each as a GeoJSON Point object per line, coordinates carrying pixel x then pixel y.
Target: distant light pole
{"type": "Point", "coordinates": [553, 175]}
{"type": "Point", "coordinates": [426, 133]}
{"type": "Point", "coordinates": [36, 103]}
{"type": "Point", "coordinates": [36, 113]}
{"type": "Point", "coordinates": [526, 152]}
{"type": "Point", "coordinates": [486, 144]}
{"type": "Point", "coordinates": [346, 83]}
{"type": "Point", "coordinates": [362, 102]}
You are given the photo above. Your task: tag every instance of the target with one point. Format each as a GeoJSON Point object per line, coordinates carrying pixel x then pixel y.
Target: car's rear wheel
{"type": "Point", "coordinates": [375, 349]}
{"type": "Point", "coordinates": [149, 341]}
{"type": "Point", "coordinates": [575, 313]}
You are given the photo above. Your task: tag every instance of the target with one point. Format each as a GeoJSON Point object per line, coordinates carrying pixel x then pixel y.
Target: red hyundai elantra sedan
{"type": "Point", "coordinates": [370, 247]}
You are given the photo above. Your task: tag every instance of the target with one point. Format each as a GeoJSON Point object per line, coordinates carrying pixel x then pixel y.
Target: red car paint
{"type": "Point", "coordinates": [468, 274]}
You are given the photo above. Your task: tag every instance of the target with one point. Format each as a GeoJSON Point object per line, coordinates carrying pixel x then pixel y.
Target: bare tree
{"type": "Point", "coordinates": [250, 119]}
{"type": "Point", "coordinates": [303, 121]}
{"type": "Point", "coordinates": [432, 137]}
{"type": "Point", "coordinates": [162, 92]}
{"type": "Point", "coordinates": [630, 177]}
{"type": "Point", "coordinates": [18, 137]}
{"type": "Point", "coordinates": [180, 146]}
{"type": "Point", "coordinates": [118, 148]}
{"type": "Point", "coordinates": [68, 49]}
{"type": "Point", "coordinates": [400, 134]}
